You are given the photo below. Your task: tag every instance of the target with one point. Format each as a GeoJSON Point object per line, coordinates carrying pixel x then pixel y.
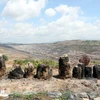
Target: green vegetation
{"type": "Point", "coordinates": [20, 96]}
{"type": "Point", "coordinates": [51, 63]}
{"type": "Point", "coordinates": [91, 42]}
{"type": "Point", "coordinates": [17, 95]}
{"type": "Point", "coordinates": [29, 96]}
{"type": "Point", "coordinates": [96, 62]}
{"type": "Point", "coordinates": [5, 57]}
{"type": "Point", "coordinates": [65, 96]}
{"type": "Point", "coordinates": [40, 96]}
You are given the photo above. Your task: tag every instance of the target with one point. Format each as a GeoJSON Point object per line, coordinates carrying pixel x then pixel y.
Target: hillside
{"type": "Point", "coordinates": [51, 50]}
{"type": "Point", "coordinates": [74, 48]}
{"type": "Point", "coordinates": [12, 53]}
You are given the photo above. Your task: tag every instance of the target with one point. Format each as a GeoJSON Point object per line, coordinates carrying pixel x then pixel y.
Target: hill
{"type": "Point", "coordinates": [51, 50]}
{"type": "Point", "coordinates": [74, 48]}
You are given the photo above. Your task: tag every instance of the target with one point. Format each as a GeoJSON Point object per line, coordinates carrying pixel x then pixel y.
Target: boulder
{"type": "Point", "coordinates": [16, 73]}
{"type": "Point", "coordinates": [96, 71]}
{"type": "Point", "coordinates": [43, 72]}
{"type": "Point", "coordinates": [65, 70]}
{"type": "Point", "coordinates": [2, 65]}
{"type": "Point", "coordinates": [29, 70]}
{"type": "Point", "coordinates": [88, 72]}
{"type": "Point", "coordinates": [79, 71]}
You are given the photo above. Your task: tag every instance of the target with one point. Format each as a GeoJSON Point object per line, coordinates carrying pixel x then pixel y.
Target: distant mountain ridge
{"type": "Point", "coordinates": [74, 48]}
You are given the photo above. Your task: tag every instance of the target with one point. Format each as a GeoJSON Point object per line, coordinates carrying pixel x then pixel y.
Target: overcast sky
{"type": "Point", "coordinates": [42, 21]}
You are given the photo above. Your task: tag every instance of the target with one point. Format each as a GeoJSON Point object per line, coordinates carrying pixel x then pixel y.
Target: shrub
{"type": "Point", "coordinates": [50, 62]}
{"type": "Point", "coordinates": [96, 62]}
{"type": "Point", "coordinates": [5, 57]}
{"type": "Point", "coordinates": [17, 94]}
{"type": "Point", "coordinates": [29, 96]}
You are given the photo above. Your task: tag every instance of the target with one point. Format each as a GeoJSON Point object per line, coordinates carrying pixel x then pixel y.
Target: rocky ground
{"type": "Point", "coordinates": [75, 85]}
{"type": "Point", "coordinates": [52, 85]}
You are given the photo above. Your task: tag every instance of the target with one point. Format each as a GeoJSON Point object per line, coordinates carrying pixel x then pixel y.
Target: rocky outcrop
{"type": "Point", "coordinates": [65, 70]}
{"type": "Point", "coordinates": [2, 65]}
{"type": "Point", "coordinates": [43, 72]}
{"type": "Point", "coordinates": [29, 70]}
{"type": "Point", "coordinates": [16, 73]}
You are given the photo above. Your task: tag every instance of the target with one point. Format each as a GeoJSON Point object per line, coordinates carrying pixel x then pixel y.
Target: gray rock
{"type": "Point", "coordinates": [83, 95]}
{"type": "Point", "coordinates": [92, 95]}
{"type": "Point", "coordinates": [54, 94]}
{"type": "Point", "coordinates": [11, 94]}
{"type": "Point", "coordinates": [68, 96]}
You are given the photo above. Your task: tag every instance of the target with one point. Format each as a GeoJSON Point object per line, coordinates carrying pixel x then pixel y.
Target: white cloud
{"type": "Point", "coordinates": [23, 9]}
{"type": "Point", "coordinates": [3, 23]}
{"type": "Point", "coordinates": [68, 27]}
{"type": "Point", "coordinates": [50, 12]}
{"type": "Point", "coordinates": [23, 29]}
{"type": "Point", "coordinates": [3, 30]}
{"type": "Point", "coordinates": [18, 33]}
{"type": "Point", "coordinates": [43, 21]}
{"type": "Point", "coordinates": [59, 30]}
{"type": "Point", "coordinates": [64, 9]}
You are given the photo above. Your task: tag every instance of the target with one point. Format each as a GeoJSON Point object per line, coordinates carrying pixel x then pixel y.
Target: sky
{"type": "Point", "coordinates": [47, 21]}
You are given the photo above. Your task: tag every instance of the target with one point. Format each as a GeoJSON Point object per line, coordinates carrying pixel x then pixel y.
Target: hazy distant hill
{"type": "Point", "coordinates": [12, 53]}
{"type": "Point", "coordinates": [74, 48]}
